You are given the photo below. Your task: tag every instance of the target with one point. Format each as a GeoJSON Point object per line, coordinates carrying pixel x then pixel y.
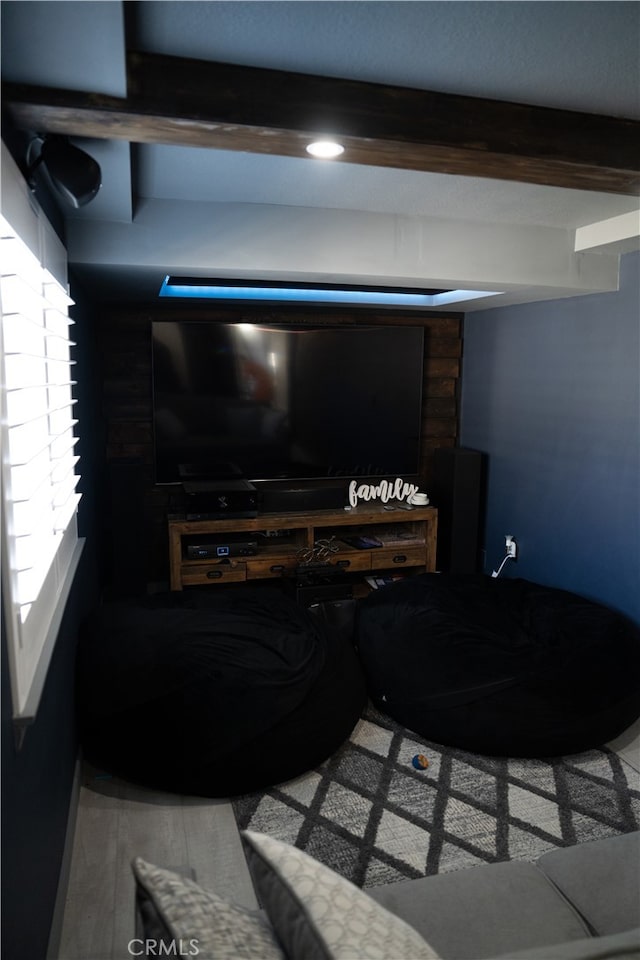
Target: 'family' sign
{"type": "Point", "coordinates": [385, 490]}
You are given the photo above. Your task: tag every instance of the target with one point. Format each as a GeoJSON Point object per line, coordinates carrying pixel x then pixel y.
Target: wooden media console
{"type": "Point", "coordinates": [281, 543]}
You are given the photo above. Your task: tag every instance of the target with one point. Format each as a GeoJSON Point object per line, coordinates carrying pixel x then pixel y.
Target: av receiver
{"type": "Point", "coordinates": [216, 500]}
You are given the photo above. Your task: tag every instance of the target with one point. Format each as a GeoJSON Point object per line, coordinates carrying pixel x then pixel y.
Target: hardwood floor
{"type": "Point", "coordinates": [117, 821]}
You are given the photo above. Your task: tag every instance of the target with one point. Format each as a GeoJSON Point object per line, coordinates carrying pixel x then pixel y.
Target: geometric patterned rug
{"type": "Point", "coordinates": [373, 818]}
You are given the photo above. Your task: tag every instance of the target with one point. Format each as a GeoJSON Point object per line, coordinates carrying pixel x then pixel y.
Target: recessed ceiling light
{"type": "Point", "coordinates": [326, 149]}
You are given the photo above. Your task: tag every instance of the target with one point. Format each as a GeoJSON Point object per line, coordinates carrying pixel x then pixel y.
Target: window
{"type": "Point", "coordinates": [40, 545]}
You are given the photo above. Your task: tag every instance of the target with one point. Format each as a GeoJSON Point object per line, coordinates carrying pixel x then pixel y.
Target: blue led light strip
{"type": "Point", "coordinates": [398, 298]}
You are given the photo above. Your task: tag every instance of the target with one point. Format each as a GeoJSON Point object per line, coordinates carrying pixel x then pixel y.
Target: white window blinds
{"type": "Point", "coordinates": [39, 479]}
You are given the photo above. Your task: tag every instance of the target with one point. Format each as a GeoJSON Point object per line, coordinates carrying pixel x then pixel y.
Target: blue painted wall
{"type": "Point", "coordinates": [551, 394]}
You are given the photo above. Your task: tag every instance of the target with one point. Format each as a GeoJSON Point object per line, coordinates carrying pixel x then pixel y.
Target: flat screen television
{"type": "Point", "coordinates": [285, 403]}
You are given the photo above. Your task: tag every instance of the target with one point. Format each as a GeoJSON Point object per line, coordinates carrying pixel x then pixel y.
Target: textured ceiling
{"type": "Point", "coordinates": [220, 176]}
{"type": "Point", "coordinates": [546, 53]}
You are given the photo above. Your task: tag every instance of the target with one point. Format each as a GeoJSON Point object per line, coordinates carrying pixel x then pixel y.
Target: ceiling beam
{"type": "Point", "coordinates": [228, 107]}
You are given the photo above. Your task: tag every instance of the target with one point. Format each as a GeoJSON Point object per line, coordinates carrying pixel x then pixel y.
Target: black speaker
{"type": "Point", "coordinates": [456, 492]}
{"type": "Point", "coordinates": [126, 530]}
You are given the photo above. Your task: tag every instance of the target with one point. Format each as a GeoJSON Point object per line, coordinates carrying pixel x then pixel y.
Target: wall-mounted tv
{"type": "Point", "coordinates": [285, 403]}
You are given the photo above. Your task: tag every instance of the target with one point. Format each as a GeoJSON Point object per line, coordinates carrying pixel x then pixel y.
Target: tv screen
{"type": "Point", "coordinates": [275, 402]}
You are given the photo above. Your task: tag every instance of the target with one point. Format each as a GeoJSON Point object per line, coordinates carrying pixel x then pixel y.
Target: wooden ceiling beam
{"type": "Point", "coordinates": [223, 106]}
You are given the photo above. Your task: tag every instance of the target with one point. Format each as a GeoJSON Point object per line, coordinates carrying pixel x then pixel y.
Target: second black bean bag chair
{"type": "Point", "coordinates": [214, 695]}
{"type": "Point", "coordinates": [499, 666]}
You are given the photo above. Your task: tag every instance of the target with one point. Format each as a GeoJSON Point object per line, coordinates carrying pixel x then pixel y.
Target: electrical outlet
{"type": "Point", "coordinates": [511, 546]}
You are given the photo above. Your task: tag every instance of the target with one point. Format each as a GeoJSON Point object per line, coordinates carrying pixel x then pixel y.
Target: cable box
{"type": "Point", "coordinates": [216, 549]}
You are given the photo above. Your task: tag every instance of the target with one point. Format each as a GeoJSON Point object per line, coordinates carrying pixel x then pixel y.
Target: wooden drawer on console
{"type": "Point", "coordinates": [351, 561]}
{"type": "Point", "coordinates": [271, 567]}
{"type": "Point", "coordinates": [398, 557]}
{"type": "Point", "coordinates": [213, 573]}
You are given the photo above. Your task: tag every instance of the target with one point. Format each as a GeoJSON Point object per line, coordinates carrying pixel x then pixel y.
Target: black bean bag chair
{"type": "Point", "coordinates": [499, 666]}
{"type": "Point", "coordinates": [214, 695]}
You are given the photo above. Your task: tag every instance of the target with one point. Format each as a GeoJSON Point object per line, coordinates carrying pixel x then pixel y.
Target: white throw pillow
{"type": "Point", "coordinates": [318, 915]}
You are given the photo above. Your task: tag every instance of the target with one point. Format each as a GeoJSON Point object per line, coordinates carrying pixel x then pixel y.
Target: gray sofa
{"type": "Point", "coordinates": [577, 903]}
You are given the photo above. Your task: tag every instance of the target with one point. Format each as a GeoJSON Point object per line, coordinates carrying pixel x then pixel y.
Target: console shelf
{"type": "Point", "coordinates": [286, 540]}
